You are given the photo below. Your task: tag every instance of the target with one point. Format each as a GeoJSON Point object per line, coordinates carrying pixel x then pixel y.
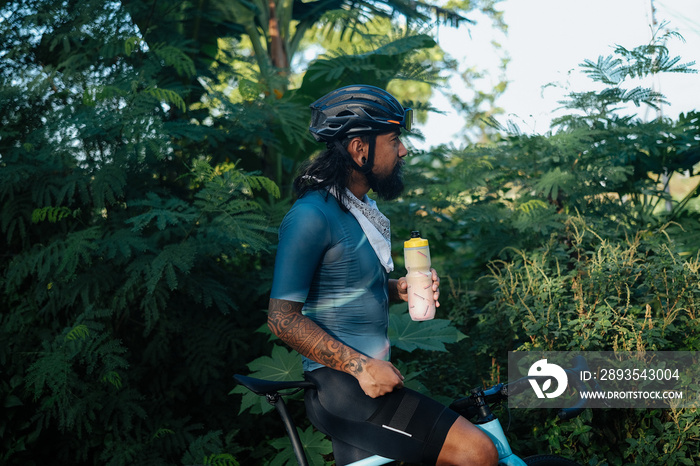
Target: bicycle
{"type": "Point", "coordinates": [476, 407]}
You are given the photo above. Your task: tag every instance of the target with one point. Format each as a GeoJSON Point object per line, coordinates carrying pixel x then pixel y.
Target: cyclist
{"type": "Point", "coordinates": [331, 292]}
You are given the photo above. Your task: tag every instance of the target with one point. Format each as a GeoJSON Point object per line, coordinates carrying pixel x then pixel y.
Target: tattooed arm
{"type": "Point", "coordinates": [376, 377]}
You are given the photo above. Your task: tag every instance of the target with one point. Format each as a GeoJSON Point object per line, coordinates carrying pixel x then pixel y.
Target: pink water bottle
{"type": "Point", "coordinates": [416, 252]}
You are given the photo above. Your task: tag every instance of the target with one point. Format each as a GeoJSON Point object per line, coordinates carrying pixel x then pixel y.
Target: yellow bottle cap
{"type": "Point", "coordinates": [416, 241]}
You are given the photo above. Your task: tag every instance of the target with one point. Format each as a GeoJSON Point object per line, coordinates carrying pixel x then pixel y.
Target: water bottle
{"type": "Point", "coordinates": [416, 252]}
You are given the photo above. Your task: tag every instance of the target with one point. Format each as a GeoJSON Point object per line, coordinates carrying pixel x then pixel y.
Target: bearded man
{"type": "Point", "coordinates": [331, 292]}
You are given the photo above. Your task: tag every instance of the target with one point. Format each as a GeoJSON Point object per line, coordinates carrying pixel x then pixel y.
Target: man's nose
{"type": "Point", "coordinates": [403, 152]}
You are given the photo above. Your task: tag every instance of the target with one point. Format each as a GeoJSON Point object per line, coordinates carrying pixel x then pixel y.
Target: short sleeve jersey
{"type": "Point", "coordinates": [325, 261]}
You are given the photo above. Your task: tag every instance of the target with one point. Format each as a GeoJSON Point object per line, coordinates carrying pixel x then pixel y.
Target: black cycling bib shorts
{"type": "Point", "coordinates": [403, 425]}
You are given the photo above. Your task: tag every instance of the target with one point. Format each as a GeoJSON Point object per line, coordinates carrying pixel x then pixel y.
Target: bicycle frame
{"type": "Point", "coordinates": [495, 432]}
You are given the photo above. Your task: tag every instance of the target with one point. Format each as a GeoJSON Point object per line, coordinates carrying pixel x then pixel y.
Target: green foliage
{"type": "Point", "coordinates": [127, 241]}
{"type": "Point", "coordinates": [203, 451]}
{"type": "Point", "coordinates": [614, 71]}
{"type": "Point", "coordinates": [97, 311]}
{"type": "Point", "coordinates": [598, 295]}
{"type": "Point", "coordinates": [316, 445]}
{"type": "Point", "coordinates": [377, 66]}
{"type": "Point", "coordinates": [409, 335]}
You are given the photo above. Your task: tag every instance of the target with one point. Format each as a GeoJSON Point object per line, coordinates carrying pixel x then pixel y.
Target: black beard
{"type": "Point", "coordinates": [390, 187]}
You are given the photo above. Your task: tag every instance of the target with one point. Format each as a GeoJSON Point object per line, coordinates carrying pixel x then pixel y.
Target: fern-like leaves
{"type": "Point", "coordinates": [615, 71]}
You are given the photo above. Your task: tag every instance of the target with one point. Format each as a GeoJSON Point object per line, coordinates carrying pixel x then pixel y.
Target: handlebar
{"type": "Point", "coordinates": [580, 365]}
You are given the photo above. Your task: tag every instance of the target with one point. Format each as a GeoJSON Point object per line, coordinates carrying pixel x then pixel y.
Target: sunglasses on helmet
{"type": "Point", "coordinates": [407, 120]}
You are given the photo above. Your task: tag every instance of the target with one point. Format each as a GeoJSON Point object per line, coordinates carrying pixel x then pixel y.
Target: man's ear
{"type": "Point", "coordinates": [358, 151]}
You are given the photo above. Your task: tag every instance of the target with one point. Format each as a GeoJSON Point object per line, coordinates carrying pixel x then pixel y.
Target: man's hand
{"type": "Point", "coordinates": [378, 377]}
{"type": "Point", "coordinates": [402, 288]}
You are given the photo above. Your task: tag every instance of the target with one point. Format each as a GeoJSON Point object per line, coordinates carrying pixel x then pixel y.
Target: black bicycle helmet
{"type": "Point", "coordinates": [357, 110]}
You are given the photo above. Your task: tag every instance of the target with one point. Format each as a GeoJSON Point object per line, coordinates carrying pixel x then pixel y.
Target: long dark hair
{"type": "Point", "coordinates": [329, 169]}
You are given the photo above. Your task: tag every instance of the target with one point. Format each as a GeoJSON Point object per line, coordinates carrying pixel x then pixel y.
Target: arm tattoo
{"type": "Point", "coordinates": [303, 335]}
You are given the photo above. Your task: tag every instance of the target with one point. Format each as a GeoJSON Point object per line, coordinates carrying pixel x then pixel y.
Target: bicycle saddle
{"type": "Point", "coordinates": [263, 387]}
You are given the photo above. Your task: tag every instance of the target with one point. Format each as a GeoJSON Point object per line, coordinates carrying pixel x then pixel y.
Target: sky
{"type": "Point", "coordinates": [547, 40]}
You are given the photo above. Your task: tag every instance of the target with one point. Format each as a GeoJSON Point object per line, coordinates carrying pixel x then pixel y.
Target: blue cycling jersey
{"type": "Point", "coordinates": [325, 261]}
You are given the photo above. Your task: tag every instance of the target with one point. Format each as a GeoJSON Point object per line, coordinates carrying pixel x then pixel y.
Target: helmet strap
{"type": "Point", "coordinates": [370, 154]}
{"type": "Point", "coordinates": [367, 166]}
